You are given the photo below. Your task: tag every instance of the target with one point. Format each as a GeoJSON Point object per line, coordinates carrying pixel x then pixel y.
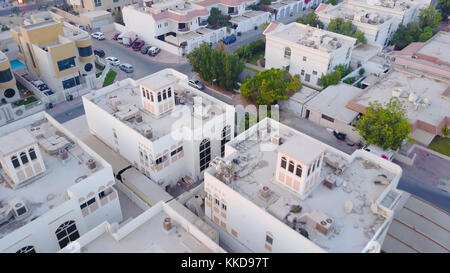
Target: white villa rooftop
{"type": "Point", "coordinates": [147, 234]}
{"type": "Point", "coordinates": [311, 37]}
{"type": "Point", "coordinates": [438, 47]}
{"type": "Point", "coordinates": [357, 14]}
{"type": "Point", "coordinates": [426, 98]}
{"type": "Point", "coordinates": [128, 93]}
{"type": "Point", "coordinates": [49, 189]}
{"type": "Point", "coordinates": [255, 158]}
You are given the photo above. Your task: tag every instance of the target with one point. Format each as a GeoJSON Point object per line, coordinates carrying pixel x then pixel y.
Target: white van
{"type": "Point", "coordinates": [386, 154]}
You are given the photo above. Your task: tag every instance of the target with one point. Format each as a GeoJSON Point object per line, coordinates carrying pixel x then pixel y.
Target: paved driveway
{"type": "Point", "coordinates": [143, 64]}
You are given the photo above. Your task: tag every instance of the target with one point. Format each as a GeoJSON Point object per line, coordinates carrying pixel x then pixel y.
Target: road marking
{"type": "Point", "coordinates": [390, 235]}
{"type": "Point", "coordinates": [428, 203]}
{"type": "Point", "coordinates": [419, 232]}
{"type": "Point", "coordinates": [421, 215]}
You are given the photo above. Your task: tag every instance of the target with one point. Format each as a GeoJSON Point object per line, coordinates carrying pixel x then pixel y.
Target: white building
{"type": "Point", "coordinates": [162, 126]}
{"type": "Point", "coordinates": [278, 190]}
{"type": "Point", "coordinates": [54, 188]}
{"type": "Point", "coordinates": [305, 50]}
{"type": "Point", "coordinates": [163, 228]}
{"type": "Point", "coordinates": [180, 26]}
{"type": "Point", "coordinates": [377, 19]}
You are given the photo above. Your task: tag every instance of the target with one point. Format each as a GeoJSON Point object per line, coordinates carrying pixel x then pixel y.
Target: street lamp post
{"type": "Point", "coordinates": [213, 82]}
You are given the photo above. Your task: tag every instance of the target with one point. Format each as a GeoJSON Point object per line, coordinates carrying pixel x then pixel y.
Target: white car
{"type": "Point", "coordinates": [98, 35]}
{"type": "Point", "coordinates": [113, 61]}
{"type": "Point", "coordinates": [386, 154]}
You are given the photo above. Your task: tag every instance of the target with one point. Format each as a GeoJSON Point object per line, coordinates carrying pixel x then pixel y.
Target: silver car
{"type": "Point", "coordinates": [126, 67]}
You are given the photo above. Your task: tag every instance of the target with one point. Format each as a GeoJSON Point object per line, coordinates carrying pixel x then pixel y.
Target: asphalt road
{"type": "Point", "coordinates": [428, 193]}
{"type": "Point", "coordinates": [143, 64]}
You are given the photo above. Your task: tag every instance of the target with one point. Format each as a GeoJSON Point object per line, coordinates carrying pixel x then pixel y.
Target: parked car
{"type": "Point", "coordinates": [137, 45]}
{"type": "Point", "coordinates": [338, 135]}
{"type": "Point", "coordinates": [113, 61]}
{"type": "Point", "coordinates": [126, 67]}
{"type": "Point", "coordinates": [99, 52]}
{"type": "Point", "coordinates": [98, 35]}
{"type": "Point", "coordinates": [386, 154]}
{"type": "Point", "coordinates": [229, 40]}
{"type": "Point", "coordinates": [153, 51]}
{"type": "Point", "coordinates": [145, 49]}
{"type": "Point", "coordinates": [196, 84]}
{"type": "Point", "coordinates": [116, 36]}
{"type": "Point", "coordinates": [40, 85]}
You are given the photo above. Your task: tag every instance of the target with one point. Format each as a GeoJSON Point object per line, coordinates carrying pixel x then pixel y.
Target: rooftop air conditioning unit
{"type": "Point", "coordinates": [19, 208]}
{"type": "Point", "coordinates": [264, 191]}
{"type": "Point", "coordinates": [91, 164]}
{"type": "Point", "coordinates": [167, 224]}
{"type": "Point", "coordinates": [275, 139]}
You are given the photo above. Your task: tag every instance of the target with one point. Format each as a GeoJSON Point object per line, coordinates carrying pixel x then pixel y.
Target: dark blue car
{"type": "Point", "coordinates": [229, 40]}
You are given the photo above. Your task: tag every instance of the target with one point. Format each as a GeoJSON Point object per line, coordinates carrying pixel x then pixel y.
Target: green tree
{"type": "Point", "coordinates": [269, 86]}
{"type": "Point", "coordinates": [445, 131]}
{"type": "Point", "coordinates": [265, 2]}
{"type": "Point", "coordinates": [330, 79]}
{"type": "Point", "coordinates": [426, 34]}
{"type": "Point", "coordinates": [339, 25]}
{"type": "Point", "coordinates": [118, 18]}
{"type": "Point", "coordinates": [444, 8]}
{"type": "Point", "coordinates": [385, 126]}
{"type": "Point", "coordinates": [333, 2]}
{"type": "Point", "coordinates": [343, 69]}
{"type": "Point", "coordinates": [216, 19]}
{"type": "Point", "coordinates": [212, 64]}
{"type": "Point", "coordinates": [310, 19]}
{"type": "Point", "coordinates": [429, 17]}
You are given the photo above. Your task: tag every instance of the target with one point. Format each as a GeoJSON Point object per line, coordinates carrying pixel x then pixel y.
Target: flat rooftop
{"type": "Point", "coordinates": [332, 101]}
{"type": "Point", "coordinates": [128, 93]}
{"type": "Point", "coordinates": [432, 102]}
{"type": "Point", "coordinates": [311, 37]}
{"type": "Point", "coordinates": [255, 163]}
{"type": "Point", "coordinates": [438, 46]}
{"type": "Point", "coordinates": [48, 190]}
{"type": "Point", "coordinates": [149, 237]}
{"type": "Point", "coordinates": [358, 14]}
{"type": "Point", "coordinates": [395, 5]}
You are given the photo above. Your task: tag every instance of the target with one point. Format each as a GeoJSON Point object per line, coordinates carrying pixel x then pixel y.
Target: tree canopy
{"type": "Point", "coordinates": [339, 25]}
{"type": "Point", "coordinates": [340, 71]}
{"type": "Point", "coordinates": [215, 64]}
{"type": "Point", "coordinates": [216, 19]}
{"type": "Point", "coordinates": [419, 31]}
{"type": "Point", "coordinates": [333, 2]}
{"type": "Point", "coordinates": [385, 126]}
{"type": "Point", "coordinates": [269, 86]}
{"type": "Point", "coordinates": [444, 8]}
{"type": "Point", "coordinates": [310, 19]}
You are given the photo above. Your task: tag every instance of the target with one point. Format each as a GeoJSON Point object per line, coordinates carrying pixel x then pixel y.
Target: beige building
{"type": "Point", "coordinates": [58, 53]}
{"type": "Point", "coordinates": [8, 88]}
{"type": "Point", "coordinates": [93, 5]}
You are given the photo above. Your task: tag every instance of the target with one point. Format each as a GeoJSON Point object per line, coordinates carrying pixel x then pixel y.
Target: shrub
{"type": "Point", "coordinates": [362, 71]}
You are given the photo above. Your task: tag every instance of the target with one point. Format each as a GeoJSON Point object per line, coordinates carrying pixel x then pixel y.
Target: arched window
{"type": "Point", "coordinates": [32, 154]}
{"type": "Point", "coordinates": [66, 233]}
{"type": "Point", "coordinates": [15, 161]}
{"type": "Point", "coordinates": [314, 166]}
{"type": "Point", "coordinates": [287, 53]}
{"type": "Point", "coordinates": [226, 136]}
{"type": "Point", "coordinates": [309, 170]}
{"type": "Point", "coordinates": [26, 249]}
{"type": "Point", "coordinates": [205, 154]}
{"type": "Point", "coordinates": [318, 162]}
{"type": "Point", "coordinates": [143, 92]}
{"type": "Point", "coordinates": [23, 158]}
{"type": "Point", "coordinates": [291, 167]}
{"type": "Point", "coordinates": [283, 162]}
{"type": "Point", "coordinates": [169, 92]}
{"type": "Point", "coordinates": [159, 96]}
{"type": "Point", "coordinates": [151, 96]}
{"type": "Point", "coordinates": [164, 94]}
{"type": "Point", "coordinates": [147, 95]}
{"type": "Point", "coordinates": [298, 171]}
